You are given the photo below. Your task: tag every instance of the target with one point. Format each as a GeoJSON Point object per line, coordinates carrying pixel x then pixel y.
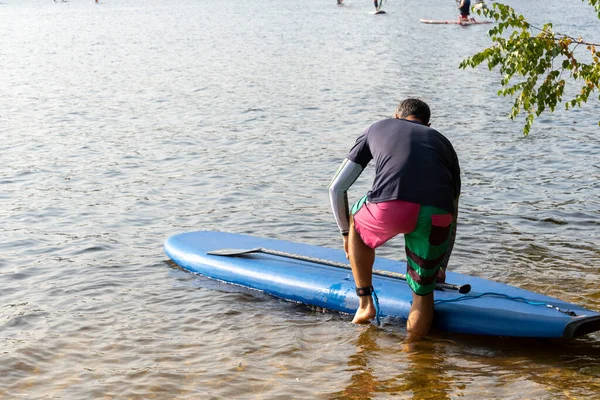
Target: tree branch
{"type": "Point", "coordinates": [533, 58]}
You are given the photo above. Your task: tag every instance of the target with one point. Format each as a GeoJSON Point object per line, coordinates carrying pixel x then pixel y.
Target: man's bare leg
{"type": "Point", "coordinates": [362, 258]}
{"type": "Point", "coordinates": [421, 315]}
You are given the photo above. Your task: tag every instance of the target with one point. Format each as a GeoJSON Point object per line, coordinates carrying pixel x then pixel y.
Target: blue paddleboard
{"type": "Point", "coordinates": [490, 308]}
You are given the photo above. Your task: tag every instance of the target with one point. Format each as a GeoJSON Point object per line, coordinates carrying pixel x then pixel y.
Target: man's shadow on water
{"type": "Point", "coordinates": [434, 367]}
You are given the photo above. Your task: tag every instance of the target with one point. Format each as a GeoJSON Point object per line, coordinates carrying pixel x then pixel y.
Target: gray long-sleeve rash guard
{"type": "Point", "coordinates": [345, 176]}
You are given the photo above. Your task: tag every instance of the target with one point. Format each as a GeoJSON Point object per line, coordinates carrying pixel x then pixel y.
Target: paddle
{"type": "Point", "coordinates": [466, 288]}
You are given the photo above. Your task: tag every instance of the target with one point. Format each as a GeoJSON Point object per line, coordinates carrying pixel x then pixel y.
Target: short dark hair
{"type": "Point", "coordinates": [414, 107]}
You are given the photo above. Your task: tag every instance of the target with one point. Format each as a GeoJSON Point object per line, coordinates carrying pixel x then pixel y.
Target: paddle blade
{"type": "Point", "coordinates": [232, 252]}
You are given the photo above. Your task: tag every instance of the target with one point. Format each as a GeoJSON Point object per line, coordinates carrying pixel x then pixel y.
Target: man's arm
{"type": "Point", "coordinates": [345, 176]}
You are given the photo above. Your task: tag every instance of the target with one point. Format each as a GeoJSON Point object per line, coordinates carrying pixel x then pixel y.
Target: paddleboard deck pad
{"type": "Point", "coordinates": [454, 22]}
{"type": "Point", "coordinates": [490, 308]}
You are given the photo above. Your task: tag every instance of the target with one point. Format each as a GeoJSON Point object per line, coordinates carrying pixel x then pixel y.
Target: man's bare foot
{"type": "Point", "coordinates": [364, 315]}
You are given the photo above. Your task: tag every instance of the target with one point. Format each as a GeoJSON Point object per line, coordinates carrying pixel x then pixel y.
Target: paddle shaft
{"type": "Point", "coordinates": [460, 288]}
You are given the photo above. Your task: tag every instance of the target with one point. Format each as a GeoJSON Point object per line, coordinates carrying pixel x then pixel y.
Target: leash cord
{"type": "Point", "coordinates": [514, 298]}
{"type": "Point", "coordinates": [377, 310]}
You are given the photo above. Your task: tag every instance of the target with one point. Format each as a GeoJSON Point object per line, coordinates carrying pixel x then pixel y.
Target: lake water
{"type": "Point", "coordinates": [125, 122]}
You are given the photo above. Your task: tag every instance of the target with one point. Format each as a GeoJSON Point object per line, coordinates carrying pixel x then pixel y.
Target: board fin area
{"type": "Point", "coordinates": [582, 327]}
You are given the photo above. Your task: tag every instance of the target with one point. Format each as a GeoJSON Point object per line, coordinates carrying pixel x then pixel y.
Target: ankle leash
{"type": "Point", "coordinates": [368, 291]}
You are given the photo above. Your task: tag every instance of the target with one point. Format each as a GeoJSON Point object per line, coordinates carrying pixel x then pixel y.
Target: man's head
{"type": "Point", "coordinates": [413, 109]}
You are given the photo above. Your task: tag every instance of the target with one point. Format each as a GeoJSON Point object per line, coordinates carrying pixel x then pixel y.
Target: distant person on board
{"type": "Point", "coordinates": [415, 192]}
{"type": "Point", "coordinates": [464, 7]}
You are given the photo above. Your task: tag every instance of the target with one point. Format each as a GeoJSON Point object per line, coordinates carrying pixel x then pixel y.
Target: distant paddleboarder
{"type": "Point", "coordinates": [376, 3]}
{"type": "Point", "coordinates": [464, 6]}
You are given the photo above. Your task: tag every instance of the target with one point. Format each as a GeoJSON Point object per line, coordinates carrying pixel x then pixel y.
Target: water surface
{"type": "Point", "coordinates": [125, 122]}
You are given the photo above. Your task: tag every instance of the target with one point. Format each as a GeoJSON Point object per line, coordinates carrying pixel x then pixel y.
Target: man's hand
{"type": "Point", "coordinates": [346, 246]}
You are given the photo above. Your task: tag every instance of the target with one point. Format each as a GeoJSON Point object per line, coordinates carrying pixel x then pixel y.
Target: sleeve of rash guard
{"type": "Point", "coordinates": [345, 176]}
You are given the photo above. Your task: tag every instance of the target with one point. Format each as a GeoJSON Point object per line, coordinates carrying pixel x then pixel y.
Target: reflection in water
{"type": "Point", "coordinates": [444, 366]}
{"type": "Point", "coordinates": [362, 382]}
{"type": "Point", "coordinates": [426, 375]}
{"type": "Point", "coordinates": [421, 365]}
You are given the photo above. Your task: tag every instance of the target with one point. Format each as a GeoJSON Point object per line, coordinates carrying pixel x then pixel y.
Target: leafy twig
{"type": "Point", "coordinates": [532, 57]}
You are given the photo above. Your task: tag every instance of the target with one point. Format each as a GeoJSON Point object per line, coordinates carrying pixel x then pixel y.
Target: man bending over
{"type": "Point", "coordinates": [415, 192]}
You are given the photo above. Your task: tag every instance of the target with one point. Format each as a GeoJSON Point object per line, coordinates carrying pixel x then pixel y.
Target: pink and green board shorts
{"type": "Point", "coordinates": [426, 230]}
